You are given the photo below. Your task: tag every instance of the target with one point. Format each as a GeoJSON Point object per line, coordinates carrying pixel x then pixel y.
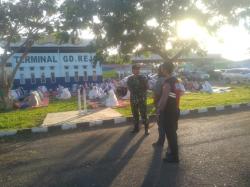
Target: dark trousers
{"type": "Point", "coordinates": [139, 106]}
{"type": "Point", "coordinates": [161, 131]}
{"type": "Point", "coordinates": [169, 121]}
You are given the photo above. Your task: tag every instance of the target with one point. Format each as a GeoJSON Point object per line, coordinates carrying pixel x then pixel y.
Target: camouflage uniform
{"type": "Point", "coordinates": [138, 85]}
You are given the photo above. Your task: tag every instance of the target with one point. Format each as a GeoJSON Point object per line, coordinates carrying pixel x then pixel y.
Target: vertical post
{"type": "Point", "coordinates": [79, 100]}
{"type": "Point", "coordinates": [84, 100]}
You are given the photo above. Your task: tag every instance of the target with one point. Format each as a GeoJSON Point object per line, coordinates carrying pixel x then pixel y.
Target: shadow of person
{"type": "Point", "coordinates": [76, 170]}
{"type": "Point", "coordinates": [170, 175]}
{"type": "Point", "coordinates": [153, 173]}
{"type": "Point", "coordinates": [69, 161]}
{"type": "Point", "coordinates": [112, 164]}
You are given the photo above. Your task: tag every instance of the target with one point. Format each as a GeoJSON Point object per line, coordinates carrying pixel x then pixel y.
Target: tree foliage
{"type": "Point", "coordinates": [75, 15]}
{"type": "Point", "coordinates": [21, 22]}
{"type": "Point", "coordinates": [123, 23]}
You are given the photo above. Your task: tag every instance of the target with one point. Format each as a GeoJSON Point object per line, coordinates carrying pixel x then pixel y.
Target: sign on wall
{"type": "Point", "coordinates": [53, 58]}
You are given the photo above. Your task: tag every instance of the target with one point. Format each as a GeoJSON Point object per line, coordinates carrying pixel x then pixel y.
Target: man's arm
{"type": "Point", "coordinates": [128, 84]}
{"type": "Point", "coordinates": [164, 97]}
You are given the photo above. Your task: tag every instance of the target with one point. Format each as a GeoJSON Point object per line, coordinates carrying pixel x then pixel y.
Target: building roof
{"type": "Point", "coordinates": [54, 48]}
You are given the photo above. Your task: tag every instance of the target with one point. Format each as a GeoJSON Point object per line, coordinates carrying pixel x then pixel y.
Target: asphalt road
{"type": "Point", "coordinates": [214, 151]}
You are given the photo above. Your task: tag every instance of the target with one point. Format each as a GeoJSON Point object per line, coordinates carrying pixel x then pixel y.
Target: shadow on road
{"type": "Point", "coordinates": [74, 169]}
{"type": "Point", "coordinates": [69, 161]}
{"type": "Point", "coordinates": [152, 175]}
{"type": "Point", "coordinates": [161, 174]}
{"type": "Point", "coordinates": [104, 172]}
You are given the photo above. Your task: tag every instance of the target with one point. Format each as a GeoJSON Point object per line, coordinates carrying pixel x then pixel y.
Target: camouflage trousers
{"type": "Point", "coordinates": [139, 107]}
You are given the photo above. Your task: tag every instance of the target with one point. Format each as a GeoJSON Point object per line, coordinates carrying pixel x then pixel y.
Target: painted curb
{"type": "Point", "coordinates": [184, 112]}
{"type": "Point", "coordinates": [8, 133]}
{"type": "Point", "coordinates": [236, 106]}
{"type": "Point", "coordinates": [220, 108]}
{"type": "Point", "coordinates": [202, 110]}
{"type": "Point", "coordinates": [39, 129]}
{"type": "Point", "coordinates": [120, 120]}
{"type": "Point", "coordinates": [68, 126]}
{"type": "Point", "coordinates": [114, 121]}
{"type": "Point", "coordinates": [95, 123]}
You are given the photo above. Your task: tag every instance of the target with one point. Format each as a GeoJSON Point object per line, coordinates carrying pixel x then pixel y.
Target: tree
{"type": "Point", "coordinates": [123, 24]}
{"type": "Point", "coordinates": [23, 22]}
{"type": "Point", "coordinates": [74, 15]}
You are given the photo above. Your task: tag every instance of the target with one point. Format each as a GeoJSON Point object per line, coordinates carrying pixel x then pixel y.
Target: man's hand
{"type": "Point", "coordinates": [158, 111]}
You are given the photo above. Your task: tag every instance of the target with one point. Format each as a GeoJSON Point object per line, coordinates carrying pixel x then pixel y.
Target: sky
{"type": "Point", "coordinates": [232, 42]}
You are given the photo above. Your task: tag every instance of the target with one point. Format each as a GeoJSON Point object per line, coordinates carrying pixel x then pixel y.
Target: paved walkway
{"type": "Point", "coordinates": [214, 151]}
{"type": "Point", "coordinates": [74, 116]}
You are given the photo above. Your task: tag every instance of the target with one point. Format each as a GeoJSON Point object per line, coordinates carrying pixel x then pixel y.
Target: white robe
{"type": "Point", "coordinates": [94, 93]}
{"type": "Point", "coordinates": [111, 101]}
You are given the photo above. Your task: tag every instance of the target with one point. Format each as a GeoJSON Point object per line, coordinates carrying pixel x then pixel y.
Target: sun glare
{"type": "Point", "coordinates": [231, 42]}
{"type": "Point", "coordinates": [112, 51]}
{"type": "Point", "coordinates": [187, 29]}
{"type": "Point", "coordinates": [86, 34]}
{"type": "Point", "coordinates": [235, 43]}
{"type": "Point", "coordinates": [152, 23]}
{"type": "Point", "coordinates": [1, 51]}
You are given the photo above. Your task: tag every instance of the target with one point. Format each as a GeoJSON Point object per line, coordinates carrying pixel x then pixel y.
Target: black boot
{"type": "Point", "coordinates": [135, 130]}
{"type": "Point", "coordinates": [146, 130]}
{"type": "Point", "coordinates": [157, 144]}
{"type": "Point", "coordinates": [171, 158]}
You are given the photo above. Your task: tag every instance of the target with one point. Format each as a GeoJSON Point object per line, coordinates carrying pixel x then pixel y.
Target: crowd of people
{"type": "Point", "coordinates": [37, 98]}
{"type": "Point", "coordinates": [167, 92]}
{"type": "Point", "coordinates": [197, 85]}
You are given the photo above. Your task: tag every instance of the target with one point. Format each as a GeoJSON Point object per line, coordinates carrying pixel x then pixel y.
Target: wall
{"type": "Point", "coordinates": [45, 61]}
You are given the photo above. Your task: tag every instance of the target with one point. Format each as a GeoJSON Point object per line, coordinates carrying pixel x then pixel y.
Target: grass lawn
{"type": "Point", "coordinates": [26, 118]}
{"type": "Point", "coordinates": [239, 94]}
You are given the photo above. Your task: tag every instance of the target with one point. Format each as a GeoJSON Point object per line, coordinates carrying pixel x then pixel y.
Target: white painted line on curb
{"type": "Point", "coordinates": [184, 112]}
{"type": "Point", "coordinates": [95, 123]}
{"type": "Point", "coordinates": [39, 129]}
{"type": "Point", "coordinates": [202, 110]}
{"type": "Point", "coordinates": [68, 126]}
{"type": "Point", "coordinates": [235, 106]}
{"type": "Point", "coordinates": [120, 120]}
{"type": "Point", "coordinates": [219, 108]}
{"type": "Point", "coordinates": [8, 133]}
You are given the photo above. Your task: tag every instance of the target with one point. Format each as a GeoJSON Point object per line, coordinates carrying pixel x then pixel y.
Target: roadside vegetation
{"type": "Point", "coordinates": [26, 118]}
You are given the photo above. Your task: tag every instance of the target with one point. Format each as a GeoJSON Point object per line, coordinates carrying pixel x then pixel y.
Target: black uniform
{"type": "Point", "coordinates": [157, 93]}
{"type": "Point", "coordinates": [138, 85]}
{"type": "Point", "coordinates": [169, 117]}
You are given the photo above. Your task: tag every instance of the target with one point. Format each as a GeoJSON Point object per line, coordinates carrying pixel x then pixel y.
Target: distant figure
{"type": "Point", "coordinates": [111, 101]}
{"type": "Point", "coordinates": [94, 93]}
{"type": "Point", "coordinates": [138, 85]}
{"type": "Point", "coordinates": [168, 110]}
{"type": "Point", "coordinates": [206, 87]}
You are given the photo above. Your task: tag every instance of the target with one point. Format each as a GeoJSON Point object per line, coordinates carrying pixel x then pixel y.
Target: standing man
{"type": "Point", "coordinates": [138, 85]}
{"type": "Point", "coordinates": [168, 110]}
{"type": "Point", "coordinates": [157, 90]}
